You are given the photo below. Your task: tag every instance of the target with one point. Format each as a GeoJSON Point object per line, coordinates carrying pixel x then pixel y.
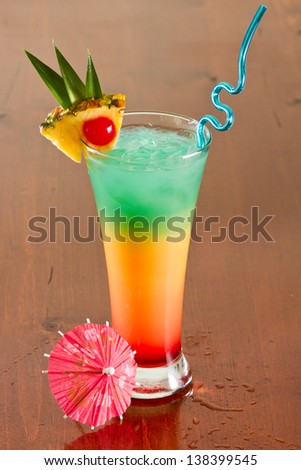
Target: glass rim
{"type": "Point", "coordinates": [92, 153]}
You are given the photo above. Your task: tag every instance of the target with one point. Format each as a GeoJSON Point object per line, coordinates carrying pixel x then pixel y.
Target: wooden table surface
{"type": "Point", "coordinates": [242, 309]}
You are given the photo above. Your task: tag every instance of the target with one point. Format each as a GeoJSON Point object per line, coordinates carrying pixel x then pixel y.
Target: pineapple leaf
{"type": "Point", "coordinates": [53, 80]}
{"type": "Point", "coordinates": [93, 88]}
{"type": "Point", "coordinates": [74, 86]}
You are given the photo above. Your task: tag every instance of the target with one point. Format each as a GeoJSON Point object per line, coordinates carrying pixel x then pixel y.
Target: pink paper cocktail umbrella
{"type": "Point", "coordinates": [92, 373]}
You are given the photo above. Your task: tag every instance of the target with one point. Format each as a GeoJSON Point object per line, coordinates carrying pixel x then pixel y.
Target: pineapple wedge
{"type": "Point", "coordinates": [67, 129]}
{"type": "Point", "coordinates": [85, 116]}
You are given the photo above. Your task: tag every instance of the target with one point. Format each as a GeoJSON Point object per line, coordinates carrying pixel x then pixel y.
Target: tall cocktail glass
{"type": "Point", "coordinates": [146, 191]}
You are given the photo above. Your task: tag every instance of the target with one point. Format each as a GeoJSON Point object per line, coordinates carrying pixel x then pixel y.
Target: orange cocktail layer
{"type": "Point", "coordinates": [147, 285]}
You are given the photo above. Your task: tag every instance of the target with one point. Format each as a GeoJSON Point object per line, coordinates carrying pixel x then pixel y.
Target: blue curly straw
{"type": "Point", "coordinates": [228, 87]}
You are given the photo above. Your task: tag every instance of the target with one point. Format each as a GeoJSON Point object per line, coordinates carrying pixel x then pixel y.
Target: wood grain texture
{"type": "Point", "coordinates": [242, 312]}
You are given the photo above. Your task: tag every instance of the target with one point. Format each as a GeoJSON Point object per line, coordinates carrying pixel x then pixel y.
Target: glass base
{"type": "Point", "coordinates": [159, 382]}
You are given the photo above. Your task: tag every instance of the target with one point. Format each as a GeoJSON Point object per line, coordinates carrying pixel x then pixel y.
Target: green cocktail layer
{"type": "Point", "coordinates": [146, 175]}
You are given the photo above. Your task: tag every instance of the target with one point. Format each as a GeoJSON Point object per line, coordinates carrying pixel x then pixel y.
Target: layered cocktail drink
{"type": "Point", "coordinates": [146, 190]}
{"type": "Point", "coordinates": [145, 169]}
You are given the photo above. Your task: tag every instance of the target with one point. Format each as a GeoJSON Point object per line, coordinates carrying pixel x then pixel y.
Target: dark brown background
{"type": "Point", "coordinates": [242, 321]}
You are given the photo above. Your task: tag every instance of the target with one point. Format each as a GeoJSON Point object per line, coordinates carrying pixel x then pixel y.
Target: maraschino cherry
{"type": "Point", "coordinates": [100, 131]}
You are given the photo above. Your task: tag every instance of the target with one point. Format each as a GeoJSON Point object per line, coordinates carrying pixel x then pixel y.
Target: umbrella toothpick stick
{"type": "Point", "coordinates": [105, 391]}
